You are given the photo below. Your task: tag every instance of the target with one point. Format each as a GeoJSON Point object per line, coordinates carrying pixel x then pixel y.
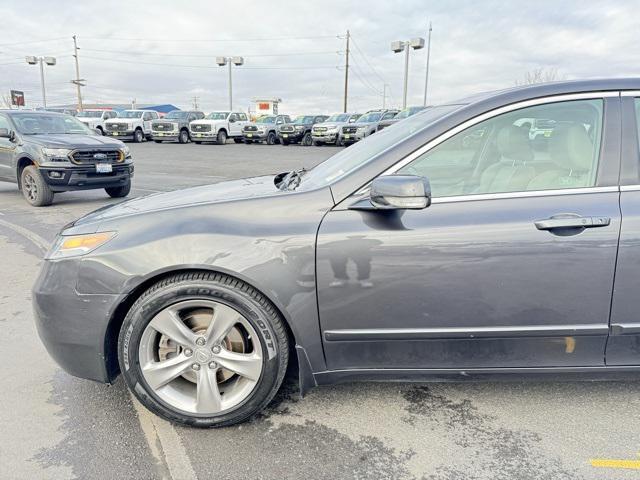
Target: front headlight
{"type": "Point", "coordinates": [67, 246]}
{"type": "Point", "coordinates": [362, 129]}
{"type": "Point", "coordinates": [299, 128]}
{"type": "Point", "coordinates": [126, 152]}
{"type": "Point", "coordinates": [56, 154]}
{"type": "Point", "coordinates": [262, 129]}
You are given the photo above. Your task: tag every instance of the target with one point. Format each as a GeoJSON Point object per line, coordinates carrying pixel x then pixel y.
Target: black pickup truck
{"type": "Point", "coordinates": [46, 153]}
{"type": "Point", "coordinates": [299, 131]}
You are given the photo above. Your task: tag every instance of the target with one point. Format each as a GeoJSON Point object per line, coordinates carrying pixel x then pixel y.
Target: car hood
{"type": "Point", "coordinates": [330, 125]}
{"type": "Point", "coordinates": [216, 193]}
{"type": "Point", "coordinates": [74, 141]}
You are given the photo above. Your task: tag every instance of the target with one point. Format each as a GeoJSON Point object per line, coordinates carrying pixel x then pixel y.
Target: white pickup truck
{"type": "Point", "coordinates": [95, 119]}
{"type": "Point", "coordinates": [218, 126]}
{"type": "Point", "coordinates": [131, 125]}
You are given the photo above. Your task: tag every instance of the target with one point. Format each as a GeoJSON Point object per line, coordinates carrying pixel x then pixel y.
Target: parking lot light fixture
{"type": "Point", "coordinates": [399, 46]}
{"type": "Point", "coordinates": [222, 61]}
{"type": "Point", "coordinates": [33, 60]}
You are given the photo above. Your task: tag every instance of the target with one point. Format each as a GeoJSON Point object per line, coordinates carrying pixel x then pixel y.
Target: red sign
{"type": "Point", "coordinates": [263, 106]}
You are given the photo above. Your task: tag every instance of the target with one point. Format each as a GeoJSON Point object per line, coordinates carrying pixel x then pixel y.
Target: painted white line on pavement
{"type": "Point", "coordinates": [165, 444]}
{"type": "Point", "coordinates": [36, 239]}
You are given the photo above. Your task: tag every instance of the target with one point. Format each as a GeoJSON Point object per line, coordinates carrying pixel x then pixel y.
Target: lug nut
{"type": "Point", "coordinates": [196, 366]}
{"type": "Point", "coordinates": [188, 352]}
{"type": "Point", "coordinates": [200, 341]}
{"type": "Point", "coordinates": [213, 365]}
{"type": "Point", "coordinates": [215, 349]}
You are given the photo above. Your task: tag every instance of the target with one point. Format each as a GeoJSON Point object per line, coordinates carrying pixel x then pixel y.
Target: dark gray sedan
{"type": "Point", "coordinates": [464, 242]}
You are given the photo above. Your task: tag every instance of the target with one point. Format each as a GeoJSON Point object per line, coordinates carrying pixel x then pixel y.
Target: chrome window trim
{"type": "Point", "coordinates": [494, 113]}
{"type": "Point", "coordinates": [630, 93]}
{"type": "Point", "coordinates": [629, 188]}
{"type": "Point", "coordinates": [524, 194]}
{"type": "Point", "coordinates": [625, 329]}
{"type": "Point", "coordinates": [373, 334]}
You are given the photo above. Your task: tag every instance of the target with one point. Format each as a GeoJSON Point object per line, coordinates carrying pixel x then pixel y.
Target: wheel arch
{"type": "Point", "coordinates": [120, 312]}
{"type": "Point", "coordinates": [21, 164]}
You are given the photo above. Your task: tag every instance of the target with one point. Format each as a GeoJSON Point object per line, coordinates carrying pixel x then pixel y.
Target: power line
{"type": "Point", "coordinates": [364, 57]}
{"type": "Point", "coordinates": [33, 41]}
{"type": "Point", "coordinates": [187, 40]}
{"type": "Point", "coordinates": [120, 52]}
{"type": "Point", "coordinates": [207, 66]}
{"type": "Point", "coordinates": [362, 78]}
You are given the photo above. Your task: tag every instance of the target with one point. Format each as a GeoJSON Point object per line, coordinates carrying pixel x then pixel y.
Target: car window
{"type": "Point", "coordinates": [146, 116]}
{"type": "Point", "coordinates": [4, 122]}
{"type": "Point", "coordinates": [389, 115]}
{"type": "Point", "coordinates": [550, 146]}
{"type": "Point", "coordinates": [233, 117]}
{"type": "Point", "coordinates": [242, 117]}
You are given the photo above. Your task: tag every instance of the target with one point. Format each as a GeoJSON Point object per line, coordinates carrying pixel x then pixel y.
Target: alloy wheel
{"type": "Point", "coordinates": [30, 187]}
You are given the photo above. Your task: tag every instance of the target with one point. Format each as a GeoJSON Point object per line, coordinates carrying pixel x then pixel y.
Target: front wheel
{"type": "Point", "coordinates": [119, 192]}
{"type": "Point", "coordinates": [306, 140]}
{"type": "Point", "coordinates": [184, 136]}
{"type": "Point", "coordinates": [34, 188]}
{"type": "Point", "coordinates": [221, 138]}
{"type": "Point", "coordinates": [138, 136]}
{"type": "Point", "coordinates": [203, 350]}
{"type": "Point", "coordinates": [271, 138]}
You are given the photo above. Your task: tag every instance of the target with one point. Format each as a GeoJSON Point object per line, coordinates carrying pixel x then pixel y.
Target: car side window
{"type": "Point", "coordinates": [146, 116]}
{"type": "Point", "coordinates": [4, 123]}
{"type": "Point", "coordinates": [243, 117]}
{"type": "Point", "coordinates": [389, 115]}
{"type": "Point", "coordinates": [233, 117]}
{"type": "Point", "coordinates": [544, 147]}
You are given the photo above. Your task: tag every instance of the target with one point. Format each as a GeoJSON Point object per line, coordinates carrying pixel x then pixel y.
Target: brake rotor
{"type": "Point", "coordinates": [198, 321]}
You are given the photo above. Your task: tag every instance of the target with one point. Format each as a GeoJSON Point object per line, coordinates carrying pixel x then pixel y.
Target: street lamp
{"type": "Point", "coordinates": [222, 61]}
{"type": "Point", "coordinates": [31, 60]}
{"type": "Point", "coordinates": [399, 46]}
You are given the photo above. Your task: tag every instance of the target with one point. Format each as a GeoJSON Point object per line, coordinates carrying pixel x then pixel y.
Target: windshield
{"type": "Point", "coordinates": [176, 115]}
{"type": "Point", "coordinates": [43, 124]}
{"type": "Point", "coordinates": [266, 120]}
{"type": "Point", "coordinates": [370, 117]}
{"type": "Point", "coordinates": [90, 114]}
{"type": "Point", "coordinates": [364, 151]}
{"type": "Point", "coordinates": [217, 116]}
{"type": "Point", "coordinates": [339, 117]}
{"type": "Point", "coordinates": [305, 119]}
{"type": "Point", "coordinates": [129, 114]}
{"type": "Point", "coordinates": [407, 112]}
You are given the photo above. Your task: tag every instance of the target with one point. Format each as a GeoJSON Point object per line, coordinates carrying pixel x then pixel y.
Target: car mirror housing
{"type": "Point", "coordinates": [6, 133]}
{"type": "Point", "coordinates": [400, 192]}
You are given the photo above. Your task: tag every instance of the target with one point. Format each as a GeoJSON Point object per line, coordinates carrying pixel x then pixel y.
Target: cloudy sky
{"type": "Point", "coordinates": [164, 51]}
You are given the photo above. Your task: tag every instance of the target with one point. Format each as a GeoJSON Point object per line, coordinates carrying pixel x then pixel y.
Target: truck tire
{"type": "Point", "coordinates": [119, 192]}
{"type": "Point", "coordinates": [306, 140]}
{"type": "Point", "coordinates": [271, 138]}
{"type": "Point", "coordinates": [34, 189]}
{"type": "Point", "coordinates": [221, 138]}
{"type": "Point", "coordinates": [183, 137]}
{"type": "Point", "coordinates": [138, 136]}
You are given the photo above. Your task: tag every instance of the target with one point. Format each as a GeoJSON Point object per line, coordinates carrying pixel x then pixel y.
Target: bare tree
{"type": "Point", "coordinates": [540, 75]}
{"type": "Point", "coordinates": [5, 101]}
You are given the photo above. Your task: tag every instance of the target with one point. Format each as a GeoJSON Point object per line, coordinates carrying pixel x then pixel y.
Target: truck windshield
{"type": "Point", "coordinates": [304, 119]}
{"type": "Point", "coordinates": [370, 117]}
{"type": "Point", "coordinates": [90, 114]}
{"type": "Point", "coordinates": [43, 124]}
{"type": "Point", "coordinates": [338, 117]}
{"type": "Point", "coordinates": [217, 116]}
{"type": "Point", "coordinates": [266, 120]}
{"type": "Point", "coordinates": [176, 115]}
{"type": "Point", "coordinates": [129, 114]}
{"type": "Point", "coordinates": [354, 157]}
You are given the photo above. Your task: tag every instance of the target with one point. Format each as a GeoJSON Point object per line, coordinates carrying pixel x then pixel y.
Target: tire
{"type": "Point", "coordinates": [306, 140]}
{"type": "Point", "coordinates": [138, 136]}
{"type": "Point", "coordinates": [34, 189]}
{"type": "Point", "coordinates": [158, 141]}
{"type": "Point", "coordinates": [101, 130]}
{"type": "Point", "coordinates": [271, 138]}
{"type": "Point", "coordinates": [119, 192]}
{"type": "Point", "coordinates": [221, 138]}
{"type": "Point", "coordinates": [183, 137]}
{"type": "Point", "coordinates": [206, 292]}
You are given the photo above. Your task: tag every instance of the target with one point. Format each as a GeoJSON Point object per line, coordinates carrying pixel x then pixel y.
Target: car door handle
{"type": "Point", "coordinates": [571, 221]}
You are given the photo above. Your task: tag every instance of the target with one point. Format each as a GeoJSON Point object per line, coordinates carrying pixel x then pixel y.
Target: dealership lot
{"type": "Point", "coordinates": [62, 427]}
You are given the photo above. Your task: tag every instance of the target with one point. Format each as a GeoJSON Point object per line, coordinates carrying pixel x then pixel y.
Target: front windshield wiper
{"type": "Point", "coordinates": [291, 180]}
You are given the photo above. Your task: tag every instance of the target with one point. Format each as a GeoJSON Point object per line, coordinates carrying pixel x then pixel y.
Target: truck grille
{"type": "Point", "coordinates": [200, 127]}
{"type": "Point", "coordinates": [319, 129]}
{"type": "Point", "coordinates": [250, 128]}
{"type": "Point", "coordinates": [163, 127]}
{"type": "Point", "coordinates": [349, 129]}
{"type": "Point", "coordinates": [117, 126]}
{"type": "Point", "coordinates": [287, 128]}
{"type": "Point", "coordinates": [88, 157]}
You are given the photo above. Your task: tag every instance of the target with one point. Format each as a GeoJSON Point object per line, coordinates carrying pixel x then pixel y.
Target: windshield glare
{"type": "Point", "coordinates": [266, 120]}
{"type": "Point", "coordinates": [370, 117]}
{"type": "Point", "coordinates": [176, 115]}
{"type": "Point", "coordinates": [217, 116]}
{"type": "Point", "coordinates": [361, 153]}
{"type": "Point", "coordinates": [90, 114]}
{"type": "Point", "coordinates": [339, 117]}
{"type": "Point", "coordinates": [50, 124]}
{"type": "Point", "coordinates": [304, 119]}
{"type": "Point", "coordinates": [128, 114]}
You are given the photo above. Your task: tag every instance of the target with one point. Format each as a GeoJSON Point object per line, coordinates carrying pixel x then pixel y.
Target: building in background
{"type": "Point", "coordinates": [263, 106]}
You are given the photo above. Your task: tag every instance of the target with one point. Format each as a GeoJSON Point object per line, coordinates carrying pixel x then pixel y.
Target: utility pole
{"type": "Point", "coordinates": [346, 73]}
{"type": "Point", "coordinates": [222, 61]}
{"type": "Point", "coordinates": [426, 77]}
{"type": "Point", "coordinates": [78, 81]}
{"type": "Point", "coordinates": [384, 95]}
{"type": "Point", "coordinates": [195, 103]}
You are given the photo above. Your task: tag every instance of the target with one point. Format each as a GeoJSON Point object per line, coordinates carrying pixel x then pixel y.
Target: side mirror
{"type": "Point", "coordinates": [6, 133]}
{"type": "Point", "coordinates": [400, 192]}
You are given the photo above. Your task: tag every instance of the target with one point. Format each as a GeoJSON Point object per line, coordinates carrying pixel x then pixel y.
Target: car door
{"type": "Point", "coordinates": [7, 151]}
{"type": "Point", "coordinates": [233, 125]}
{"type": "Point", "coordinates": [513, 263]}
{"type": "Point", "coordinates": [242, 121]}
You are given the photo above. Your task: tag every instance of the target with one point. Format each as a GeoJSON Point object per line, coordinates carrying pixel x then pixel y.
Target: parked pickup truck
{"type": "Point", "coordinates": [264, 129]}
{"type": "Point", "coordinates": [218, 126]}
{"type": "Point", "coordinates": [131, 125]}
{"type": "Point", "coordinates": [95, 119]}
{"type": "Point", "coordinates": [327, 131]}
{"type": "Point", "coordinates": [365, 126]}
{"type": "Point", "coordinates": [174, 126]}
{"type": "Point", "coordinates": [299, 131]}
{"type": "Point", "coordinates": [45, 153]}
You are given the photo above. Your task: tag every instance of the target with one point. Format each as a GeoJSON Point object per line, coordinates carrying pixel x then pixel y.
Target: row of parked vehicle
{"type": "Point", "coordinates": [218, 127]}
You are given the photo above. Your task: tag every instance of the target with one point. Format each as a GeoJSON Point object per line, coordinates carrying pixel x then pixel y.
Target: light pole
{"type": "Point", "coordinates": [31, 60]}
{"type": "Point", "coordinates": [399, 46]}
{"type": "Point", "coordinates": [222, 61]}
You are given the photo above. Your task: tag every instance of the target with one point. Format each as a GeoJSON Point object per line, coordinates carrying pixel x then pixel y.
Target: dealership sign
{"type": "Point", "coordinates": [17, 98]}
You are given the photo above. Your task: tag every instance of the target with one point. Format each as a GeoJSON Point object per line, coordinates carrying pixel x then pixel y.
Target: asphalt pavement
{"type": "Point", "coordinates": [54, 426]}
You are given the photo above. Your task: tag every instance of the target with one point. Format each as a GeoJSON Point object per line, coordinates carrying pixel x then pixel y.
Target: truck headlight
{"type": "Point", "coordinates": [299, 128]}
{"type": "Point", "coordinates": [56, 154]}
{"type": "Point", "coordinates": [126, 152]}
{"type": "Point", "coordinates": [67, 246]}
